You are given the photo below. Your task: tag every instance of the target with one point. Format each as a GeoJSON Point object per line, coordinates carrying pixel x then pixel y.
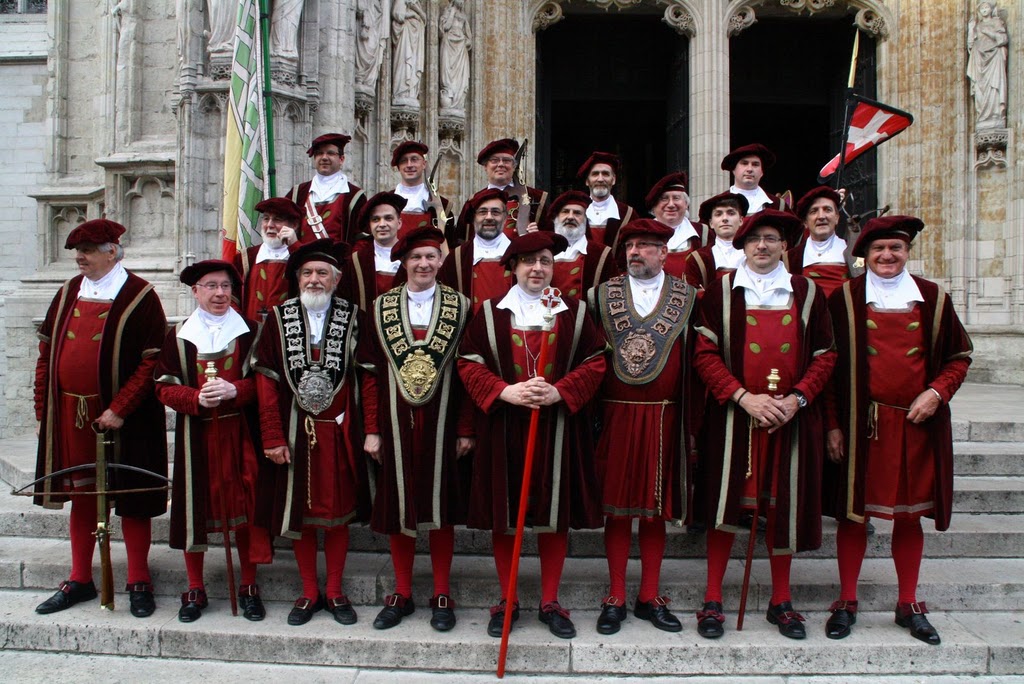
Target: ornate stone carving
{"type": "Point", "coordinates": [811, 6]}
{"type": "Point", "coordinates": [871, 22]}
{"type": "Point", "coordinates": [220, 67]}
{"type": "Point", "coordinates": [680, 19]}
{"type": "Point", "coordinates": [222, 15]}
{"type": "Point", "coordinates": [284, 29]}
{"type": "Point", "coordinates": [127, 40]}
{"type": "Point", "coordinates": [364, 105]}
{"type": "Point", "coordinates": [549, 14]}
{"type": "Point", "coordinates": [743, 19]}
{"type": "Point", "coordinates": [987, 42]}
{"type": "Point", "coordinates": [618, 4]}
{"type": "Point", "coordinates": [284, 71]}
{"type": "Point", "coordinates": [212, 102]}
{"type": "Point", "coordinates": [408, 34]}
{"type": "Point", "coordinates": [991, 146]}
{"type": "Point", "coordinates": [456, 42]}
{"type": "Point", "coordinates": [370, 42]}
{"type": "Point", "coordinates": [451, 128]}
{"type": "Point", "coordinates": [404, 121]}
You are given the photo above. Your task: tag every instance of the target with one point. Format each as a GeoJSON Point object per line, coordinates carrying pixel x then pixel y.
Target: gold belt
{"type": "Point", "coordinates": [873, 416]}
{"type": "Point", "coordinates": [81, 408]}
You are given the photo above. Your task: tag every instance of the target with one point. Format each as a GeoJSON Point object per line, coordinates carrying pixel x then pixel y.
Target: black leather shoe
{"type": "Point", "coordinates": [611, 617]}
{"type": "Point", "coordinates": [442, 617]}
{"type": "Point", "coordinates": [68, 594]}
{"type": "Point", "coordinates": [658, 614]}
{"type": "Point", "coordinates": [396, 607]}
{"type": "Point", "coordinates": [497, 622]}
{"type": "Point", "coordinates": [844, 617]}
{"type": "Point", "coordinates": [342, 610]}
{"type": "Point", "coordinates": [710, 620]}
{"type": "Point", "coordinates": [302, 611]}
{"type": "Point", "coordinates": [790, 622]}
{"type": "Point", "coordinates": [912, 616]}
{"type": "Point", "coordinates": [250, 602]}
{"type": "Point", "coordinates": [557, 620]}
{"type": "Point", "coordinates": [192, 604]}
{"type": "Point", "coordinates": [140, 599]}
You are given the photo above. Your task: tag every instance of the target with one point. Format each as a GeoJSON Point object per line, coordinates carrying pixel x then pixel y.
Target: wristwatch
{"type": "Point", "coordinates": [801, 400]}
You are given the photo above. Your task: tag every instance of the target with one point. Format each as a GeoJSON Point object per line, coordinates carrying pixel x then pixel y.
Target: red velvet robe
{"type": "Point", "coordinates": [829, 277]}
{"type": "Point", "coordinates": [701, 269]}
{"type": "Point", "coordinates": [565, 491]}
{"type": "Point", "coordinates": [130, 341]}
{"type": "Point", "coordinates": [721, 350]}
{"type": "Point", "coordinates": [608, 234]}
{"type": "Point", "coordinates": [947, 356]}
{"type": "Point", "coordinates": [586, 272]}
{"type": "Point", "coordinates": [485, 280]}
{"type": "Point", "coordinates": [360, 281]}
{"type": "Point", "coordinates": [411, 219]}
{"type": "Point", "coordinates": [538, 204]}
{"type": "Point", "coordinates": [339, 215]}
{"type": "Point", "coordinates": [204, 469]}
{"type": "Point", "coordinates": [266, 285]}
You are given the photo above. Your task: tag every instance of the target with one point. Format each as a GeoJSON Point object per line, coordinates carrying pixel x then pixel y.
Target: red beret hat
{"type": "Point", "coordinates": [281, 206]}
{"type": "Point", "coordinates": [534, 242]}
{"type": "Point", "coordinates": [655, 229]}
{"type": "Point", "coordinates": [96, 232]}
{"type": "Point", "coordinates": [190, 275]}
{"type": "Point", "coordinates": [407, 147]}
{"type": "Point", "coordinates": [325, 250]}
{"type": "Point", "coordinates": [338, 139]}
{"type": "Point", "coordinates": [804, 204]}
{"type": "Point", "coordinates": [423, 236]}
{"type": "Point", "coordinates": [394, 199]}
{"type": "Point", "coordinates": [507, 145]}
{"type": "Point", "coordinates": [758, 150]}
{"type": "Point", "coordinates": [608, 158]}
{"type": "Point", "coordinates": [788, 225]}
{"type": "Point", "coordinates": [678, 179]}
{"type": "Point", "coordinates": [560, 202]}
{"type": "Point", "coordinates": [904, 228]}
{"type": "Point", "coordinates": [487, 194]}
{"type": "Point", "coordinates": [707, 207]}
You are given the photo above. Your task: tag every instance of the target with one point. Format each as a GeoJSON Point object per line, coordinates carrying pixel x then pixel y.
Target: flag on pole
{"type": "Point", "coordinates": [871, 124]}
{"type": "Point", "coordinates": [245, 148]}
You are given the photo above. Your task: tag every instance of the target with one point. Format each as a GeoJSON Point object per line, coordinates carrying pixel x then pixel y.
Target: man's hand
{"type": "Point", "coordinates": [286, 235]}
{"type": "Point", "coordinates": [109, 420]}
{"type": "Point", "coordinates": [835, 445]}
{"type": "Point", "coordinates": [764, 408]}
{"type": "Point", "coordinates": [924, 406]}
{"type": "Point", "coordinates": [533, 393]}
{"type": "Point", "coordinates": [464, 445]}
{"type": "Point", "coordinates": [371, 445]}
{"type": "Point", "coordinates": [532, 227]}
{"type": "Point", "coordinates": [789, 406]}
{"type": "Point", "coordinates": [279, 455]}
{"type": "Point", "coordinates": [215, 391]}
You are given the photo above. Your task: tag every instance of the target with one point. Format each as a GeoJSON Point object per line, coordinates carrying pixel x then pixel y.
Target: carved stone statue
{"type": "Point", "coordinates": [284, 28]}
{"type": "Point", "coordinates": [456, 42]}
{"type": "Point", "coordinates": [126, 29]}
{"type": "Point", "coordinates": [222, 15]}
{"type": "Point", "coordinates": [986, 67]}
{"type": "Point", "coordinates": [408, 24]}
{"type": "Point", "coordinates": [370, 43]}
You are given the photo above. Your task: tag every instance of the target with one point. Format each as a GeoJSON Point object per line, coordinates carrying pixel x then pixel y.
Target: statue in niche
{"type": "Point", "coordinates": [222, 15]}
{"type": "Point", "coordinates": [369, 44]}
{"type": "Point", "coordinates": [408, 24]}
{"type": "Point", "coordinates": [456, 42]}
{"type": "Point", "coordinates": [987, 42]}
{"type": "Point", "coordinates": [284, 29]}
{"type": "Point", "coordinates": [126, 38]}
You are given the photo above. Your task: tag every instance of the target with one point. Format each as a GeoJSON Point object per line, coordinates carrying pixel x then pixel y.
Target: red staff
{"type": "Point", "coordinates": [550, 298]}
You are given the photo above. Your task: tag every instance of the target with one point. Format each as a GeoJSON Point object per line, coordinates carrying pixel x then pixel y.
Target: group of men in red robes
{"type": "Point", "coordinates": [370, 343]}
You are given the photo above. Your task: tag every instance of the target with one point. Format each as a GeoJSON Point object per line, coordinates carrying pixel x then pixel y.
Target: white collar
{"type": "Point", "coordinates": [527, 309]}
{"type": "Point", "coordinates": [769, 289]}
{"type": "Point", "coordinates": [421, 305]}
{"type": "Point", "coordinates": [684, 232]}
{"type": "Point", "coordinates": [756, 198]}
{"type": "Point", "coordinates": [416, 196]}
{"type": "Point", "coordinates": [315, 321]}
{"type": "Point", "coordinates": [492, 186]}
{"type": "Point", "coordinates": [600, 212]}
{"type": "Point", "coordinates": [897, 292]}
{"type": "Point", "coordinates": [326, 188]}
{"type": "Point", "coordinates": [726, 255]}
{"type": "Point", "coordinates": [489, 249]}
{"type": "Point", "coordinates": [422, 296]}
{"type": "Point", "coordinates": [268, 253]}
{"type": "Point", "coordinates": [646, 292]}
{"type": "Point", "coordinates": [106, 287]}
{"type": "Point", "coordinates": [211, 333]}
{"type": "Point", "coordinates": [829, 251]}
{"type": "Point", "coordinates": [573, 251]}
{"type": "Point", "coordinates": [382, 259]}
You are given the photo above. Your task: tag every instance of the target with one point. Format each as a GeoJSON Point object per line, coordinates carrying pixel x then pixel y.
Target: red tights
{"type": "Point", "coordinates": [137, 536]}
{"type": "Point", "coordinates": [552, 548]}
{"type": "Point", "coordinates": [719, 549]}
{"type": "Point", "coordinates": [335, 553]}
{"type": "Point", "coordinates": [907, 549]}
{"type": "Point", "coordinates": [442, 551]}
{"type": "Point", "coordinates": [617, 537]}
{"type": "Point", "coordinates": [194, 562]}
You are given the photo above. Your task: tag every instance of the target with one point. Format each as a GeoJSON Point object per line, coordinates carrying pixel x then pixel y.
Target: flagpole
{"type": "Point", "coordinates": [846, 108]}
{"type": "Point", "coordinates": [268, 98]}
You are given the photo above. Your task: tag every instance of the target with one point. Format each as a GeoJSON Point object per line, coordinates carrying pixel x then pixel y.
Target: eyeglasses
{"type": "Point", "coordinates": [501, 160]}
{"type": "Point", "coordinates": [213, 287]}
{"type": "Point", "coordinates": [494, 211]}
{"type": "Point", "coordinates": [641, 244]}
{"type": "Point", "coordinates": [532, 260]}
{"type": "Point", "coordinates": [766, 239]}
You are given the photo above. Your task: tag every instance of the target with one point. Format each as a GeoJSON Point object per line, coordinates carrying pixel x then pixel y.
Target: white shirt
{"type": "Point", "coordinates": [829, 251]}
{"type": "Point", "coordinates": [646, 292]}
{"type": "Point", "coordinates": [726, 255]}
{"type": "Point", "coordinates": [382, 262]}
{"type": "Point", "coordinates": [106, 287]}
{"type": "Point", "coordinates": [527, 308]}
{"type": "Point", "coordinates": [326, 188]}
{"type": "Point", "coordinates": [770, 289]}
{"type": "Point", "coordinates": [489, 249]}
{"type": "Point", "coordinates": [416, 197]}
{"type": "Point", "coordinates": [211, 333]}
{"type": "Point", "coordinates": [892, 294]}
{"type": "Point", "coordinates": [268, 253]}
{"type": "Point", "coordinates": [756, 198]}
{"type": "Point", "coordinates": [574, 250]}
{"type": "Point", "coordinates": [492, 186]}
{"type": "Point", "coordinates": [599, 213]}
{"type": "Point", "coordinates": [421, 304]}
{"type": "Point", "coordinates": [684, 232]}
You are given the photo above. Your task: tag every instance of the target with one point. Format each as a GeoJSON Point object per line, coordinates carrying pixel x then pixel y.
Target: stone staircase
{"type": "Point", "coordinates": [972, 579]}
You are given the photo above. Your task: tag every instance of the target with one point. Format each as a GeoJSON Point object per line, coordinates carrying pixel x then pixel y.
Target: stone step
{"type": "Point", "coordinates": [986, 494]}
{"type": "Point", "coordinates": [984, 412]}
{"type": "Point", "coordinates": [974, 644]}
{"type": "Point", "coordinates": [988, 458]}
{"type": "Point", "coordinates": [961, 584]}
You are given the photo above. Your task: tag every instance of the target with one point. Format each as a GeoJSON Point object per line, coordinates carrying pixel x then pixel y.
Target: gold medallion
{"type": "Point", "coordinates": [418, 373]}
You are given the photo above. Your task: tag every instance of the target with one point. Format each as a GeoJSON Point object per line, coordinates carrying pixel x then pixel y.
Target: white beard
{"type": "Point", "coordinates": [600, 192]}
{"type": "Point", "coordinates": [570, 234]}
{"type": "Point", "coordinates": [317, 301]}
{"type": "Point", "coordinates": [273, 243]}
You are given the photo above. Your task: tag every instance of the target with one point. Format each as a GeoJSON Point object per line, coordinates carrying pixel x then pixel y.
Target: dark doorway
{"type": "Point", "coordinates": [788, 80]}
{"type": "Point", "coordinates": [606, 82]}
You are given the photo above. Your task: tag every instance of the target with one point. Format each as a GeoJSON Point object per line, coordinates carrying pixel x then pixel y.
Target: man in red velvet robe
{"type": "Point", "coordinates": [820, 254]}
{"type": "Point", "coordinates": [762, 451]}
{"type": "Point", "coordinates": [314, 475]}
{"type": "Point", "coordinates": [585, 263]}
{"type": "Point", "coordinates": [499, 364]}
{"type": "Point", "coordinates": [605, 214]}
{"type": "Point", "coordinates": [98, 346]}
{"type": "Point", "coordinates": [747, 165]}
{"type": "Point", "coordinates": [903, 353]}
{"type": "Point", "coordinates": [262, 266]}
{"type": "Point", "coordinates": [330, 202]}
{"type": "Point", "coordinates": [410, 159]}
{"type": "Point", "coordinates": [724, 213]}
{"type": "Point", "coordinates": [372, 272]}
{"type": "Point", "coordinates": [648, 414]}
{"type": "Point", "coordinates": [418, 423]}
{"type": "Point", "coordinates": [498, 158]}
{"type": "Point", "coordinates": [474, 268]}
{"type": "Point", "coordinates": [215, 462]}
{"type": "Point", "coordinates": [669, 203]}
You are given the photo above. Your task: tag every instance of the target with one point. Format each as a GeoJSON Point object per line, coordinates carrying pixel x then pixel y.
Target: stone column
{"type": "Point", "coordinates": [709, 99]}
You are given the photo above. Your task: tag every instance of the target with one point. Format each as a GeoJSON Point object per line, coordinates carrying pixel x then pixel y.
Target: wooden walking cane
{"type": "Point", "coordinates": [773, 386]}
{"type": "Point", "coordinates": [211, 374]}
{"type": "Point", "coordinates": [550, 298]}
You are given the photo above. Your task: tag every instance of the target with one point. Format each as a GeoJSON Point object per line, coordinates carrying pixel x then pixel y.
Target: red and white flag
{"type": "Point", "coordinates": [872, 124]}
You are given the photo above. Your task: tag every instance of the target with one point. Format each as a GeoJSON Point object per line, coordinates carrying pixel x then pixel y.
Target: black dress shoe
{"type": "Point", "coordinates": [844, 617]}
{"type": "Point", "coordinates": [611, 617]}
{"type": "Point", "coordinates": [442, 617]}
{"type": "Point", "coordinates": [790, 622]}
{"type": "Point", "coordinates": [68, 594]}
{"type": "Point", "coordinates": [342, 609]}
{"type": "Point", "coordinates": [912, 616]}
{"type": "Point", "coordinates": [557, 620]}
{"type": "Point", "coordinates": [396, 607]}
{"type": "Point", "coordinates": [140, 599]}
{"type": "Point", "coordinates": [496, 624]}
{"type": "Point", "coordinates": [192, 604]}
{"type": "Point", "coordinates": [250, 602]}
{"type": "Point", "coordinates": [302, 611]}
{"type": "Point", "coordinates": [658, 614]}
{"type": "Point", "coordinates": [710, 620]}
